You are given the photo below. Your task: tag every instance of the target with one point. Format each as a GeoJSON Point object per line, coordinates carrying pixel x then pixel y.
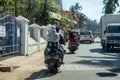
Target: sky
{"type": "Point", "coordinates": [91, 8]}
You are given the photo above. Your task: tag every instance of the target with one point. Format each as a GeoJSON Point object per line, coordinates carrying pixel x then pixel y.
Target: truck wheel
{"type": "Point", "coordinates": [90, 41]}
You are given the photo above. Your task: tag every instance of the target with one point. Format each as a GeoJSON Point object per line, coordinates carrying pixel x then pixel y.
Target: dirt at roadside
{"type": "Point", "coordinates": [23, 66]}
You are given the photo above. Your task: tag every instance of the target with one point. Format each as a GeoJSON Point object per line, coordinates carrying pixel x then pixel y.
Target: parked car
{"type": "Point", "coordinates": [86, 36]}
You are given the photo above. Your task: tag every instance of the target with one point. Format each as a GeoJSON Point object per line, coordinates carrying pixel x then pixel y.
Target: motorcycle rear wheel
{"type": "Point", "coordinates": [53, 70]}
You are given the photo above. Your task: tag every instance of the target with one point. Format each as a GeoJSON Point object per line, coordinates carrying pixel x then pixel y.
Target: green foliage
{"type": "Point", "coordinates": [110, 6]}
{"type": "Point", "coordinates": [75, 8]}
{"type": "Point", "coordinates": [83, 21]}
{"type": "Point", "coordinates": [53, 6]}
{"type": "Point", "coordinates": [65, 22]}
{"type": "Point", "coordinates": [82, 17]}
{"type": "Point", "coordinates": [92, 25]}
{"type": "Point", "coordinates": [31, 9]}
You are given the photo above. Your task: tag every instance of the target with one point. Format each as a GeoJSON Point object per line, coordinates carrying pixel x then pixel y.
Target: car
{"type": "Point", "coordinates": [86, 36]}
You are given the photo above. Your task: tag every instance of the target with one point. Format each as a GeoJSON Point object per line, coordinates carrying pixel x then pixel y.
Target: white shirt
{"type": "Point", "coordinates": [53, 36]}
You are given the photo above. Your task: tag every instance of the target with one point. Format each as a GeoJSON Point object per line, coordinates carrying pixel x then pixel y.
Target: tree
{"type": "Point", "coordinates": [81, 17]}
{"type": "Point", "coordinates": [92, 25]}
{"type": "Point", "coordinates": [31, 9]}
{"type": "Point", "coordinates": [82, 20]}
{"type": "Point", "coordinates": [110, 6]}
{"type": "Point", "coordinates": [75, 8]}
{"type": "Point", "coordinates": [50, 6]}
{"type": "Point", "coordinates": [65, 22]}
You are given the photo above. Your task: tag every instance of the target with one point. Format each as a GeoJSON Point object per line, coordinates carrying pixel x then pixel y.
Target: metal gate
{"type": "Point", "coordinates": [10, 38]}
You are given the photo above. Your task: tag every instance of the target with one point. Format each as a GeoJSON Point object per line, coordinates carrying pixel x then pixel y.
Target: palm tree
{"type": "Point", "coordinates": [110, 6]}
{"type": "Point", "coordinates": [75, 8]}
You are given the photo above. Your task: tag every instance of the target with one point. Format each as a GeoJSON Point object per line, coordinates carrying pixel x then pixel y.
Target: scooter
{"type": "Point", "coordinates": [52, 59]}
{"type": "Point", "coordinates": [72, 46]}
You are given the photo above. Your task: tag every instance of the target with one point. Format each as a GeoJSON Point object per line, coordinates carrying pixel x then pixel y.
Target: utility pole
{"type": "Point", "coordinates": [44, 12]}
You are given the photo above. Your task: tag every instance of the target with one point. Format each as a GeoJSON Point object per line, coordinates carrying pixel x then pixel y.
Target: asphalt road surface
{"type": "Point", "coordinates": [89, 62]}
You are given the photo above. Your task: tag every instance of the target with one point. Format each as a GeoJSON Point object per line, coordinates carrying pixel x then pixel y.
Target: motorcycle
{"type": "Point", "coordinates": [52, 59]}
{"type": "Point", "coordinates": [72, 46]}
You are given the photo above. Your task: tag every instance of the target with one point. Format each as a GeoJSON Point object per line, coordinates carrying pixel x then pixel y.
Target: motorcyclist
{"type": "Point", "coordinates": [72, 37]}
{"type": "Point", "coordinates": [54, 37]}
{"type": "Point", "coordinates": [77, 37]}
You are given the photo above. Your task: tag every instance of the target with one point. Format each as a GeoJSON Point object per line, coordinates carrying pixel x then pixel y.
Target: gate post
{"type": "Point", "coordinates": [36, 34]}
{"type": "Point", "coordinates": [24, 34]}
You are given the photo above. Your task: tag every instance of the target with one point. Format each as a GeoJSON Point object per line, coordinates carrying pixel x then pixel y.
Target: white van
{"type": "Point", "coordinates": [86, 36]}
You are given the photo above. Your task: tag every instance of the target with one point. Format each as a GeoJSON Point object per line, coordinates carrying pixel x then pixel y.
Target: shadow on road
{"type": "Point", "coordinates": [115, 70]}
{"type": "Point", "coordinates": [112, 52]}
{"type": "Point", "coordinates": [97, 50]}
{"type": "Point", "coordinates": [40, 74]}
{"type": "Point", "coordinates": [106, 74]}
{"type": "Point", "coordinates": [100, 50]}
{"type": "Point", "coordinates": [99, 63]}
{"type": "Point", "coordinates": [69, 53]}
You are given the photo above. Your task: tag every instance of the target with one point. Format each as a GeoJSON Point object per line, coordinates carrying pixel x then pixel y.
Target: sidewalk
{"type": "Point", "coordinates": [23, 66]}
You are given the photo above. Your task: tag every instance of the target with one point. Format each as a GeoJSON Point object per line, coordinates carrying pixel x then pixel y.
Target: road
{"type": "Point", "coordinates": [89, 62]}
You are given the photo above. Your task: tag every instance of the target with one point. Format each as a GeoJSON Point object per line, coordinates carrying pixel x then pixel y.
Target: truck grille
{"type": "Point", "coordinates": [113, 38]}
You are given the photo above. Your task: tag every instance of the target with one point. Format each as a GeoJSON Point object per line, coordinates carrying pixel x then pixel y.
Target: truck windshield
{"type": "Point", "coordinates": [113, 29]}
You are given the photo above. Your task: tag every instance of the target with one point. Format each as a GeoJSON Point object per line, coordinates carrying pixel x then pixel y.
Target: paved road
{"type": "Point", "coordinates": [89, 62]}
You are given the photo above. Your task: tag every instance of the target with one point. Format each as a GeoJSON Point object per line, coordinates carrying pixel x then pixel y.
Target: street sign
{"type": "Point", "coordinates": [18, 32]}
{"type": "Point", "coordinates": [2, 31]}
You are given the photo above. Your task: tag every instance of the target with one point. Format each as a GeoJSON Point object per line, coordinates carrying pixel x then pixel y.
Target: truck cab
{"type": "Point", "coordinates": [112, 35]}
{"type": "Point", "coordinates": [110, 31]}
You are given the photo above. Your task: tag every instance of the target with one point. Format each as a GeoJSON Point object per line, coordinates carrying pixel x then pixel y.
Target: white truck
{"type": "Point", "coordinates": [110, 31]}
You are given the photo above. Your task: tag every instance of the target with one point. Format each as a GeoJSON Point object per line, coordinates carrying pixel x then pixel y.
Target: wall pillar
{"type": "Point", "coordinates": [24, 34]}
{"type": "Point", "coordinates": [36, 34]}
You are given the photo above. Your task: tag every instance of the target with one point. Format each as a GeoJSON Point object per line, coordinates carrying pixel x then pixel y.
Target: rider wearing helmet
{"type": "Point", "coordinates": [54, 36]}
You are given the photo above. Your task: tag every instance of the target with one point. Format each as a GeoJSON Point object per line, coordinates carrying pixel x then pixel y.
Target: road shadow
{"type": "Point", "coordinates": [116, 51]}
{"type": "Point", "coordinates": [97, 50]}
{"type": "Point", "coordinates": [115, 70]}
{"type": "Point", "coordinates": [106, 74]}
{"type": "Point", "coordinates": [99, 63]}
{"type": "Point", "coordinates": [100, 50]}
{"type": "Point", "coordinates": [41, 74]}
{"type": "Point", "coordinates": [96, 58]}
{"type": "Point", "coordinates": [69, 53]}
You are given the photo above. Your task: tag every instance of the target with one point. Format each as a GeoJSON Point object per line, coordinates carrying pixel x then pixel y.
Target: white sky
{"type": "Point", "coordinates": [91, 8]}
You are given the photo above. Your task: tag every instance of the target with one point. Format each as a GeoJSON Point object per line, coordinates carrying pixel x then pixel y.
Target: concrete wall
{"type": "Point", "coordinates": [28, 44]}
{"type": "Point", "coordinates": [32, 48]}
{"type": "Point", "coordinates": [24, 34]}
{"type": "Point", "coordinates": [38, 43]}
{"type": "Point", "coordinates": [45, 32]}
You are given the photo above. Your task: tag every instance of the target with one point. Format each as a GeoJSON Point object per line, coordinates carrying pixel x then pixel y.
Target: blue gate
{"type": "Point", "coordinates": [10, 40]}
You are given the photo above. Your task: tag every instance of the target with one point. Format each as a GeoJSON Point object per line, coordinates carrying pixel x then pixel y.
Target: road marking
{"type": "Point", "coordinates": [81, 67]}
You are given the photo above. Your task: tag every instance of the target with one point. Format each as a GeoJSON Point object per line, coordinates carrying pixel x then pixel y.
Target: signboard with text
{"type": "Point", "coordinates": [2, 31]}
{"type": "Point", "coordinates": [18, 32]}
